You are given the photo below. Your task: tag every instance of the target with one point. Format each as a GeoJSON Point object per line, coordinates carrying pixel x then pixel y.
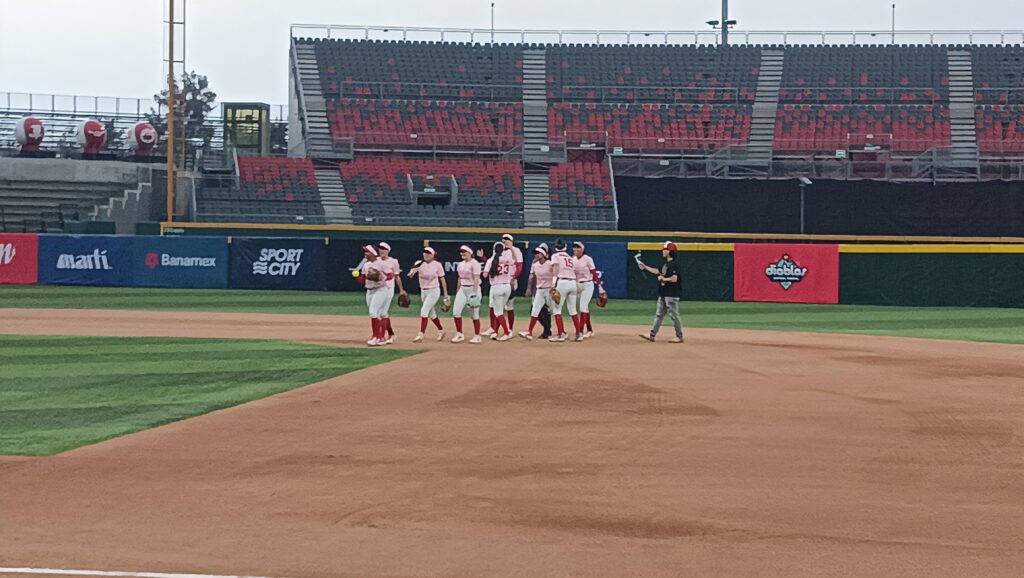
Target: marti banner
{"type": "Point", "coordinates": [787, 273]}
{"type": "Point", "coordinates": [19, 258]}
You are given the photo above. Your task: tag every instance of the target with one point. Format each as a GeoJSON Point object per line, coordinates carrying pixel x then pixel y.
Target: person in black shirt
{"type": "Point", "coordinates": [669, 291]}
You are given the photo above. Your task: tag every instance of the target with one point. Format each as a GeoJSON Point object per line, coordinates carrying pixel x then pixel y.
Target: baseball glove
{"type": "Point", "coordinates": [403, 300]}
{"type": "Point", "coordinates": [602, 299]}
{"type": "Point", "coordinates": [556, 296]}
{"type": "Point", "coordinates": [474, 300]}
{"type": "Point", "coordinates": [446, 305]}
{"type": "Point", "coordinates": [374, 275]}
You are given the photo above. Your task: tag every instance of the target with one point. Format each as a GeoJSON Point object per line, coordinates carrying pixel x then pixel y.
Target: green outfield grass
{"type": "Point", "coordinates": [975, 324]}
{"type": "Point", "coordinates": [59, 393]}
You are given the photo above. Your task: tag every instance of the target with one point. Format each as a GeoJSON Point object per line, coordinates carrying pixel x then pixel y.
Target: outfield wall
{"type": "Point", "coordinates": [990, 275]}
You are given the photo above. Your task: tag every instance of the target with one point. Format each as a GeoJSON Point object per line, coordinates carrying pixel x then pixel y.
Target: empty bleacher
{"type": "Point", "coordinates": [270, 190]}
{"type": "Point", "coordinates": [380, 190]}
{"type": "Point", "coordinates": [581, 195]}
{"type": "Point", "coordinates": [826, 128]}
{"type": "Point", "coordinates": [1000, 129]}
{"type": "Point", "coordinates": [426, 123]}
{"type": "Point", "coordinates": [998, 74]}
{"type": "Point", "coordinates": [688, 127]}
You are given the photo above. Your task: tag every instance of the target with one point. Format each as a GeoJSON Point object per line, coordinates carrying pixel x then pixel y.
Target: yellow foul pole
{"type": "Point", "coordinates": [170, 111]}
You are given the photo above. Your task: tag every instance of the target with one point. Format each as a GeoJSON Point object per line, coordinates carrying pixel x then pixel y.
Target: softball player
{"type": "Point", "coordinates": [517, 255]}
{"type": "Point", "coordinates": [565, 283]}
{"type": "Point", "coordinates": [393, 270]}
{"type": "Point", "coordinates": [586, 279]}
{"type": "Point", "coordinates": [541, 282]}
{"type": "Point", "coordinates": [431, 275]}
{"type": "Point", "coordinates": [468, 294]}
{"type": "Point", "coordinates": [376, 292]}
{"type": "Point", "coordinates": [498, 271]}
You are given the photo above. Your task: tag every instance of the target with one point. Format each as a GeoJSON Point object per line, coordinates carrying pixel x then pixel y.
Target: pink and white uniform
{"type": "Point", "coordinates": [469, 289]}
{"type": "Point", "coordinates": [501, 281]}
{"type": "Point", "coordinates": [376, 291]}
{"type": "Point", "coordinates": [585, 272]}
{"type": "Point", "coordinates": [430, 274]}
{"type": "Point", "coordinates": [565, 282]}
{"type": "Point", "coordinates": [542, 293]}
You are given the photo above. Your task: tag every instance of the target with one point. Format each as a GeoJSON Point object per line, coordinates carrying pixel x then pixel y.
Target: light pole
{"type": "Point", "coordinates": [725, 23]}
{"type": "Point", "coordinates": [804, 181]}
{"type": "Point", "coordinates": [492, 23]}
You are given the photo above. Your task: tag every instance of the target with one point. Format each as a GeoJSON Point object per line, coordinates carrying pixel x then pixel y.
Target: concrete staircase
{"type": "Point", "coordinates": [766, 104]}
{"type": "Point", "coordinates": [332, 195]}
{"type": "Point", "coordinates": [537, 198]}
{"type": "Point", "coordinates": [317, 131]}
{"type": "Point", "coordinates": [536, 147]}
{"type": "Point", "coordinates": [962, 128]}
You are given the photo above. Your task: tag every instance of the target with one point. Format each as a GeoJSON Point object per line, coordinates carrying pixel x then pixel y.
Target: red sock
{"type": "Point", "coordinates": [374, 323]}
{"type": "Point", "coordinates": [503, 324]}
{"type": "Point", "coordinates": [476, 327]}
{"type": "Point", "coordinates": [586, 319]}
{"type": "Point", "coordinates": [577, 324]}
{"type": "Point", "coordinates": [437, 322]}
{"type": "Point", "coordinates": [560, 324]}
{"type": "Point", "coordinates": [511, 319]}
{"type": "Point", "coordinates": [533, 323]}
{"type": "Point", "coordinates": [458, 325]}
{"type": "Point", "coordinates": [423, 324]}
{"type": "Point", "coordinates": [494, 321]}
{"type": "Point", "coordinates": [387, 324]}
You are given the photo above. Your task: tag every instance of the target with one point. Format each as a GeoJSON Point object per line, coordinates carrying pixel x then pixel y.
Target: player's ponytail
{"type": "Point", "coordinates": [498, 250]}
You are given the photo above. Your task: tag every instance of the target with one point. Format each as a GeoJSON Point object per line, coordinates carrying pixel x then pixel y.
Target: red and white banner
{"type": "Point", "coordinates": [787, 273]}
{"type": "Point", "coordinates": [19, 258]}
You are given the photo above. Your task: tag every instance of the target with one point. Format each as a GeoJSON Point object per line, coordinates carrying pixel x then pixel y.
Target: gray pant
{"type": "Point", "coordinates": [668, 305]}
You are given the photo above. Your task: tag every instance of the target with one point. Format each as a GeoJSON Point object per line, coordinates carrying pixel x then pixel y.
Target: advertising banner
{"type": "Point", "coordinates": [272, 263]}
{"type": "Point", "coordinates": [787, 273]}
{"type": "Point", "coordinates": [85, 260]}
{"type": "Point", "coordinates": [181, 262]}
{"type": "Point", "coordinates": [19, 258]}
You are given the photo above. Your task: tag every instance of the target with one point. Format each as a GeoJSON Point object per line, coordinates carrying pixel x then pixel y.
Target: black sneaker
{"type": "Point", "coordinates": [647, 337]}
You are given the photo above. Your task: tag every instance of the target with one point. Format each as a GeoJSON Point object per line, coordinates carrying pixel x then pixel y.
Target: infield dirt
{"type": "Point", "coordinates": [738, 453]}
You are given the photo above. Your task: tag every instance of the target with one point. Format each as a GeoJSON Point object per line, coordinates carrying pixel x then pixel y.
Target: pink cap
{"type": "Point", "coordinates": [430, 250]}
{"type": "Point", "coordinates": [580, 245]}
{"type": "Point", "coordinates": [370, 249]}
{"type": "Point", "coordinates": [507, 237]}
{"type": "Point", "coordinates": [541, 251]}
{"type": "Point", "coordinates": [384, 245]}
{"type": "Point", "coordinates": [465, 249]}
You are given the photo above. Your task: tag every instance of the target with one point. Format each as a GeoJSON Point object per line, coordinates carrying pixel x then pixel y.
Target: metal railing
{"type": "Point", "coordinates": [652, 93]}
{"type": "Point", "coordinates": [396, 90]}
{"type": "Point", "coordinates": [894, 95]}
{"type": "Point", "coordinates": [100, 106]}
{"type": "Point", "coordinates": [563, 36]}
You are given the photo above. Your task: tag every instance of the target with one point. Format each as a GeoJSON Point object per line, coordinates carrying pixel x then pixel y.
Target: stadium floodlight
{"type": "Point", "coordinates": [805, 181]}
{"type": "Point", "coordinates": [713, 23]}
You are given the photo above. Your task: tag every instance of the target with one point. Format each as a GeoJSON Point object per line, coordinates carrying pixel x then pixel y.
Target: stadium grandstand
{"type": "Point", "coordinates": [584, 130]}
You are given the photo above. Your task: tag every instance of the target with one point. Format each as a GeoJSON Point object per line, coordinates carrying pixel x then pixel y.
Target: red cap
{"type": "Point", "coordinates": [669, 245]}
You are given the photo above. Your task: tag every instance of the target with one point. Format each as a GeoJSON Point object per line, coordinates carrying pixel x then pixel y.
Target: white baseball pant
{"type": "Point", "coordinates": [376, 301]}
{"type": "Point", "coordinates": [462, 299]}
{"type": "Point", "coordinates": [387, 304]}
{"type": "Point", "coordinates": [499, 297]}
{"type": "Point", "coordinates": [541, 298]}
{"type": "Point", "coordinates": [430, 298]}
{"type": "Point", "coordinates": [586, 294]}
{"type": "Point", "coordinates": [567, 287]}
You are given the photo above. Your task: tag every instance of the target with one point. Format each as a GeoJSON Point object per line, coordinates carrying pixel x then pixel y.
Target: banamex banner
{"type": "Point", "coordinates": [786, 273]}
{"type": "Point", "coordinates": [276, 263]}
{"type": "Point", "coordinates": [182, 262]}
{"type": "Point", "coordinates": [104, 260]}
{"type": "Point", "coordinates": [19, 258]}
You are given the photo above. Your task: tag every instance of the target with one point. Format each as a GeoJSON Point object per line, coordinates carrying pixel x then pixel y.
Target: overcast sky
{"type": "Point", "coordinates": [114, 47]}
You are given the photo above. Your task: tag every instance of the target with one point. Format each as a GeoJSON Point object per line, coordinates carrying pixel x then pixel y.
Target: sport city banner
{"type": "Point", "coordinates": [19, 258]}
{"type": "Point", "coordinates": [274, 263]}
{"type": "Point", "coordinates": [85, 260]}
{"type": "Point", "coordinates": [787, 273]}
{"type": "Point", "coordinates": [181, 262]}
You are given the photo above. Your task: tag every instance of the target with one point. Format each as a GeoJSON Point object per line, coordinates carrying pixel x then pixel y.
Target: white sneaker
{"type": "Point", "coordinates": [459, 338]}
{"type": "Point", "coordinates": [562, 338]}
{"type": "Point", "coordinates": [526, 335]}
{"type": "Point", "coordinates": [419, 337]}
{"type": "Point", "coordinates": [476, 339]}
{"type": "Point", "coordinates": [373, 342]}
{"type": "Point", "coordinates": [494, 336]}
{"type": "Point", "coordinates": [505, 337]}
{"type": "Point", "coordinates": [578, 338]}
{"type": "Point", "coordinates": [588, 335]}
{"type": "Point", "coordinates": [553, 339]}
{"type": "Point", "coordinates": [440, 335]}
{"type": "Point", "coordinates": [487, 332]}
{"type": "Point", "coordinates": [389, 340]}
